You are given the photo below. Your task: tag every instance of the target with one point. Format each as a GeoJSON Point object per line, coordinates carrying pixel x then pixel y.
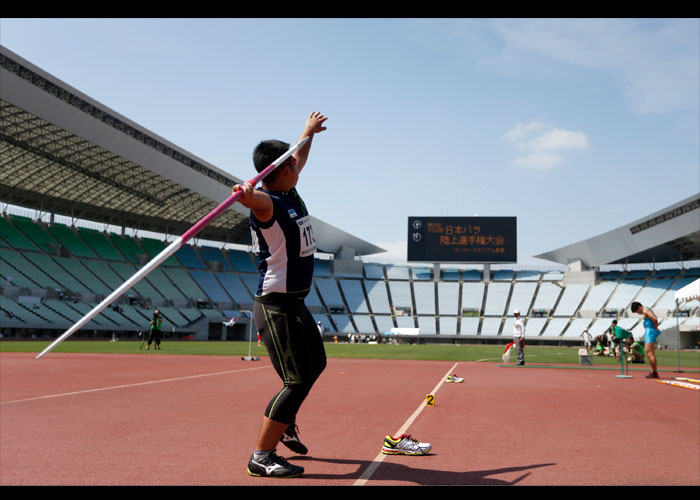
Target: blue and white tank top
{"type": "Point", "coordinates": [285, 245]}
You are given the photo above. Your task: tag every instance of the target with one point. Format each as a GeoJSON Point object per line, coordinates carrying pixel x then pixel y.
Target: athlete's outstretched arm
{"type": "Point", "coordinates": [314, 125]}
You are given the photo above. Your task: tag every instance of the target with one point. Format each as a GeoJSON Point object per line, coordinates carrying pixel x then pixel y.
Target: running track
{"type": "Point", "coordinates": [155, 419]}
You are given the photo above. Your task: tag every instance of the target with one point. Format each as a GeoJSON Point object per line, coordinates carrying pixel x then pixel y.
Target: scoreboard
{"type": "Point", "coordinates": [476, 240]}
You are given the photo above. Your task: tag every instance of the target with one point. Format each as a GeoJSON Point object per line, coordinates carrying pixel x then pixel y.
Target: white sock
{"type": "Point", "coordinates": [259, 455]}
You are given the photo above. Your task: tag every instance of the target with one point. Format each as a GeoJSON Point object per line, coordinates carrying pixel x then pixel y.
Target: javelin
{"type": "Point", "coordinates": [171, 249]}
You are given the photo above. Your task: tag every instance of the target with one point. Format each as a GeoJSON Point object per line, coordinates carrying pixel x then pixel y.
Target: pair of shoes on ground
{"type": "Point", "coordinates": [454, 378]}
{"type": "Point", "coordinates": [272, 465]}
{"type": "Point", "coordinates": [405, 445]}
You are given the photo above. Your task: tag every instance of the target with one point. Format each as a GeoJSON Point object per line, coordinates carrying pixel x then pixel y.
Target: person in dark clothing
{"type": "Point", "coordinates": [156, 333]}
{"type": "Point", "coordinates": [283, 234]}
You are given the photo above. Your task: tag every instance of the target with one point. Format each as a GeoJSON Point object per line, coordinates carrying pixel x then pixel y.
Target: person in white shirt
{"type": "Point", "coordinates": [587, 337]}
{"type": "Point", "coordinates": [519, 337]}
{"type": "Point", "coordinates": [610, 337]}
{"type": "Point", "coordinates": [230, 321]}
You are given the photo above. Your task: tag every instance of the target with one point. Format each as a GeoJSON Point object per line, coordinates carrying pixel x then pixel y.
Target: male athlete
{"type": "Point", "coordinates": [281, 228]}
{"type": "Point", "coordinates": [651, 332]}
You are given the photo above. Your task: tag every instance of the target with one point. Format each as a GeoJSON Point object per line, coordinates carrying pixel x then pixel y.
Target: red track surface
{"type": "Point", "coordinates": [154, 419]}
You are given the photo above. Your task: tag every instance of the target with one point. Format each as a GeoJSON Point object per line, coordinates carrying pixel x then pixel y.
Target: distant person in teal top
{"type": "Point", "coordinates": [156, 325]}
{"type": "Point", "coordinates": [651, 333]}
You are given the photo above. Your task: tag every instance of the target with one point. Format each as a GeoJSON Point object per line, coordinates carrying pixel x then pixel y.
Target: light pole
{"type": "Point", "coordinates": [250, 337]}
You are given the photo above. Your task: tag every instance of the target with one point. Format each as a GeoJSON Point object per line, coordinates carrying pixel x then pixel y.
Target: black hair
{"type": "Point", "coordinates": [267, 152]}
{"type": "Point", "coordinates": [614, 322]}
{"type": "Point", "coordinates": [635, 306]}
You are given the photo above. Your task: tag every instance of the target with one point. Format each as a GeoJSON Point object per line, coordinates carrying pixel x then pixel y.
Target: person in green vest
{"type": "Point", "coordinates": [156, 325]}
{"type": "Point", "coordinates": [599, 349]}
{"type": "Point", "coordinates": [635, 350]}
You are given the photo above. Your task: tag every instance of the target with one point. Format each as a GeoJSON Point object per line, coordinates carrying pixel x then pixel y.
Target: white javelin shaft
{"type": "Point", "coordinates": [171, 249]}
{"type": "Point", "coordinates": [167, 252]}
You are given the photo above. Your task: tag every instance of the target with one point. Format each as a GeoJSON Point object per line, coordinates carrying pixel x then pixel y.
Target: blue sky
{"type": "Point", "coordinates": [574, 126]}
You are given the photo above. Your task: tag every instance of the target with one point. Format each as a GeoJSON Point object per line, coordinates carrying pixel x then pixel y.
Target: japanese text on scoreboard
{"type": "Point", "coordinates": [462, 239]}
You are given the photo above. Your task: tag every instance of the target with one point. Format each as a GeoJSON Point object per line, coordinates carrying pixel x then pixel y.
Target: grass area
{"type": "Point", "coordinates": [441, 352]}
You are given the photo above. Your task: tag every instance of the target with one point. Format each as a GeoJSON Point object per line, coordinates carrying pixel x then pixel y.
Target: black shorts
{"type": "Point", "coordinates": [296, 351]}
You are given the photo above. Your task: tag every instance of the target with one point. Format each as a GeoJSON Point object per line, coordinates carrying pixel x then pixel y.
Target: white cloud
{"type": "Point", "coordinates": [543, 145]}
{"type": "Point", "coordinates": [524, 130]}
{"type": "Point", "coordinates": [653, 62]}
{"type": "Point", "coordinates": [543, 161]}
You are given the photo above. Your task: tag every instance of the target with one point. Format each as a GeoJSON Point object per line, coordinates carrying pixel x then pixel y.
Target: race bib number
{"type": "Point", "coordinates": [306, 237]}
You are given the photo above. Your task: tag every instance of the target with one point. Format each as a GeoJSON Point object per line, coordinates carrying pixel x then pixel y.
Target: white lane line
{"type": "Point", "coordinates": [370, 470]}
{"type": "Point", "coordinates": [99, 389]}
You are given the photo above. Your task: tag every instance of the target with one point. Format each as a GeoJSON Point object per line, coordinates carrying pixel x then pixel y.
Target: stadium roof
{"type": "Point", "coordinates": [669, 235]}
{"type": "Point", "coordinates": [63, 152]}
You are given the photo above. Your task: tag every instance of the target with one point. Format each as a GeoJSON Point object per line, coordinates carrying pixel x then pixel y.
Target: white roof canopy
{"type": "Point", "coordinates": [689, 292]}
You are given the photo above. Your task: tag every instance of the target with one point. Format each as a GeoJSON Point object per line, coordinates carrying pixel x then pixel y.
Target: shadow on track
{"type": "Point", "coordinates": [389, 471]}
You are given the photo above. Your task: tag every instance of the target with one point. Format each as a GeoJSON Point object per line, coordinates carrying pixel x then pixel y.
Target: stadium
{"type": "Point", "coordinates": [413, 348]}
{"type": "Point", "coordinates": [89, 197]}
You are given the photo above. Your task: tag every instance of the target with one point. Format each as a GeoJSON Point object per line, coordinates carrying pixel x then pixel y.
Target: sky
{"type": "Point", "coordinates": [574, 126]}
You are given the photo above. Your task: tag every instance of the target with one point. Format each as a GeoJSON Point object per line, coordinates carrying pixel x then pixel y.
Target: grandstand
{"type": "Point", "coordinates": [80, 216]}
{"type": "Point", "coordinates": [45, 291]}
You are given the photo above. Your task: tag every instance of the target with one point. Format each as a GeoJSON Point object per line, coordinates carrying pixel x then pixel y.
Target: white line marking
{"type": "Point", "coordinates": [369, 471]}
{"type": "Point", "coordinates": [131, 385]}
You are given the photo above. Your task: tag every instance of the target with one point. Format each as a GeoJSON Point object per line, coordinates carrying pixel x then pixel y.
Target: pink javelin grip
{"type": "Point", "coordinates": [171, 249]}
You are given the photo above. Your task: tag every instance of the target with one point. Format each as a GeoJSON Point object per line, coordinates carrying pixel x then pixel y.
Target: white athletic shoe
{"type": "Point", "coordinates": [404, 445]}
{"type": "Point", "coordinates": [454, 378]}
